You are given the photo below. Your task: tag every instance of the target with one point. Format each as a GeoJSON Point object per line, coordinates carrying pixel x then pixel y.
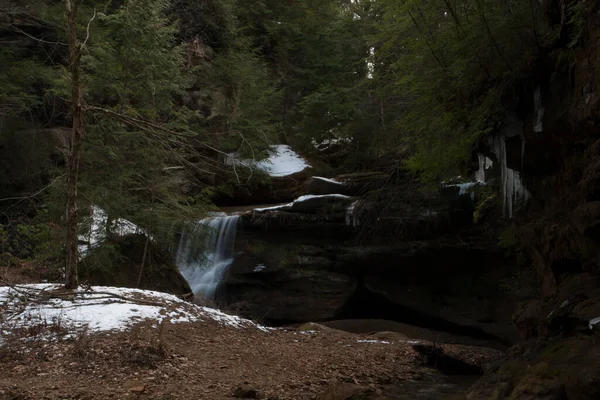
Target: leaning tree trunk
{"type": "Point", "coordinates": [75, 146]}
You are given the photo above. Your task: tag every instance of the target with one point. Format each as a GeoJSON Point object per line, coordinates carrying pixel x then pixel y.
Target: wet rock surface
{"type": "Point", "coordinates": [437, 284]}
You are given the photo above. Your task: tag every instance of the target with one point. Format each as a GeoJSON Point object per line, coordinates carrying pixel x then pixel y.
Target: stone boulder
{"type": "Point", "coordinates": [360, 182]}
{"type": "Point", "coordinates": [291, 295]}
{"type": "Point", "coordinates": [559, 369]}
{"type": "Point", "coordinates": [328, 203]}
{"type": "Point", "coordinates": [429, 284]}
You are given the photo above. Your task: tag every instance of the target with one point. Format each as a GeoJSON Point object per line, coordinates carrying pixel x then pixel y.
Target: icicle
{"type": "Point", "coordinates": [538, 110]}
{"type": "Point", "coordinates": [513, 189]}
{"type": "Point", "coordinates": [480, 174]}
{"type": "Point", "coordinates": [351, 219]}
{"type": "Point", "coordinates": [484, 164]}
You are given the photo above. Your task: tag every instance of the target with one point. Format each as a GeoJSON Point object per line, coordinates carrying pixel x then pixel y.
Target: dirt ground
{"type": "Point", "coordinates": [207, 360]}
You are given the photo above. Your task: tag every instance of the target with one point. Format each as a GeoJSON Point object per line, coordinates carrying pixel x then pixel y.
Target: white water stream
{"type": "Point", "coordinates": [204, 267]}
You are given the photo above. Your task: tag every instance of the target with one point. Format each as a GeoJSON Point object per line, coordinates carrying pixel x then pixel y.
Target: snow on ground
{"type": "Point", "coordinates": [373, 341]}
{"type": "Point", "coordinates": [282, 161]}
{"type": "Point", "coordinates": [99, 308]}
{"type": "Point", "coordinates": [302, 199]}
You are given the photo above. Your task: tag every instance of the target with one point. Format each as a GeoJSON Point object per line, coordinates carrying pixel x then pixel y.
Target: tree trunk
{"type": "Point", "coordinates": [71, 281]}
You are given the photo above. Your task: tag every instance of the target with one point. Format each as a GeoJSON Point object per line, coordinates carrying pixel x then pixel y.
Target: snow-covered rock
{"type": "Point", "coordinates": [327, 143]}
{"type": "Point", "coordinates": [309, 203]}
{"type": "Point", "coordinates": [318, 185]}
{"type": "Point", "coordinates": [96, 234]}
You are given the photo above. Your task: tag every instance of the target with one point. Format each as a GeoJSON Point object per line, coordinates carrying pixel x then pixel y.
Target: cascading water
{"type": "Point", "coordinates": [204, 268]}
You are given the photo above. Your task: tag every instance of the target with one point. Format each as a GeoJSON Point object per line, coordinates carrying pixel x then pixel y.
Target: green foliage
{"type": "Point", "coordinates": [3, 239]}
{"type": "Point", "coordinates": [133, 61]}
{"type": "Point", "coordinates": [22, 83]}
{"type": "Point", "coordinates": [32, 241]}
{"type": "Point", "coordinates": [212, 22]}
{"type": "Point", "coordinates": [452, 63]}
{"type": "Point", "coordinates": [135, 66]}
{"type": "Point", "coordinates": [105, 258]}
{"type": "Point", "coordinates": [487, 196]}
{"type": "Point", "coordinates": [244, 100]}
{"type": "Point", "coordinates": [25, 162]}
{"type": "Point", "coordinates": [576, 24]}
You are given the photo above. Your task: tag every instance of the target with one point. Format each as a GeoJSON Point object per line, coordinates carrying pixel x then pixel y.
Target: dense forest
{"type": "Point", "coordinates": [445, 189]}
{"type": "Point", "coordinates": [163, 85]}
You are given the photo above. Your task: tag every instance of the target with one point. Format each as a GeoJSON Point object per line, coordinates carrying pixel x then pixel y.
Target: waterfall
{"type": "Point", "coordinates": [205, 267]}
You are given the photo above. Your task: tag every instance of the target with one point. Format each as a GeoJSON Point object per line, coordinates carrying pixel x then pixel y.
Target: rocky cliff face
{"type": "Point", "coordinates": [558, 233]}
{"type": "Point", "coordinates": [423, 263]}
{"type": "Point", "coordinates": [436, 261]}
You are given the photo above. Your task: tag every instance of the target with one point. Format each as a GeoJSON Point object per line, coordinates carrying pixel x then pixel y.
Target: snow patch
{"type": "Point", "coordinates": [97, 232]}
{"type": "Point", "coordinates": [302, 199]}
{"type": "Point", "coordinates": [282, 161]}
{"type": "Point", "coordinates": [318, 196]}
{"type": "Point", "coordinates": [100, 309]}
{"type": "Point", "coordinates": [279, 207]}
{"type": "Point", "coordinates": [373, 341]}
{"type": "Point", "coordinates": [330, 142]}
